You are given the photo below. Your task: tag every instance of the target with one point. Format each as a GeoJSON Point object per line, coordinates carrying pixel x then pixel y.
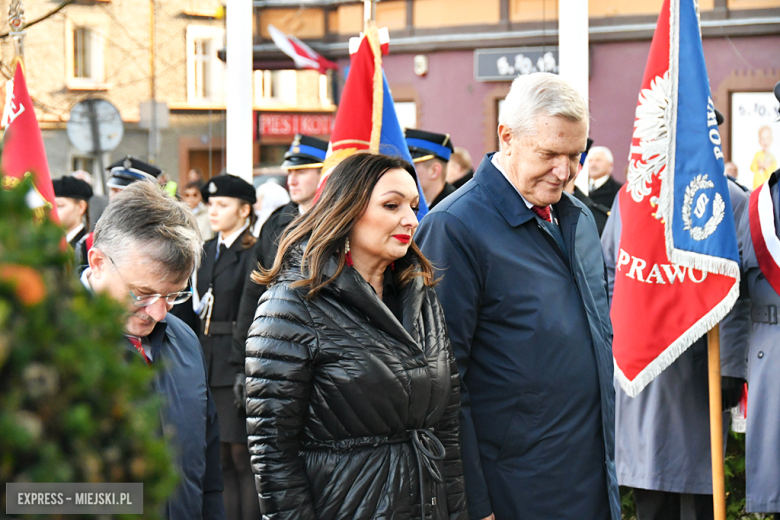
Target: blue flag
{"type": "Point", "coordinates": [700, 231]}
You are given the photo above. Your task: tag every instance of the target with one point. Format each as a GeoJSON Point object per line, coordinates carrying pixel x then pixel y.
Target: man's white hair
{"type": "Point", "coordinates": [541, 93]}
{"type": "Point", "coordinates": [604, 151]}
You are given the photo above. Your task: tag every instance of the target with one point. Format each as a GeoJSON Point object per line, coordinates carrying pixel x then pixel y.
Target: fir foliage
{"type": "Point", "coordinates": [74, 407]}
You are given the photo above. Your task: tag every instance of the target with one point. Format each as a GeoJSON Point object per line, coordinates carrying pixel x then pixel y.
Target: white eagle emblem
{"type": "Point", "coordinates": [651, 128]}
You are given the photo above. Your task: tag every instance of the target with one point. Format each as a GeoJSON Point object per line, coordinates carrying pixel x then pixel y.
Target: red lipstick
{"type": "Point", "coordinates": [404, 239]}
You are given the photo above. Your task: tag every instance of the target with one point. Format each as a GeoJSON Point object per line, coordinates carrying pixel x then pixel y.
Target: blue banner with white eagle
{"type": "Point", "coordinates": [700, 231]}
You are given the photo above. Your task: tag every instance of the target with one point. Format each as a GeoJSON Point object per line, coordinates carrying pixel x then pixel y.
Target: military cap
{"type": "Point", "coordinates": [72, 188]}
{"type": "Point", "coordinates": [128, 170]}
{"type": "Point", "coordinates": [428, 145]}
{"type": "Point", "coordinates": [229, 186]}
{"type": "Point", "coordinates": [305, 152]}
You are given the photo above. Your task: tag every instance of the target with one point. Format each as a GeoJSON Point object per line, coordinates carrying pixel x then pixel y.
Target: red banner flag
{"type": "Point", "coordinates": [677, 270]}
{"type": "Point", "coordinates": [23, 151]}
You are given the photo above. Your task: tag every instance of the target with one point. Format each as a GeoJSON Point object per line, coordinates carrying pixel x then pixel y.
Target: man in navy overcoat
{"type": "Point", "coordinates": [524, 292]}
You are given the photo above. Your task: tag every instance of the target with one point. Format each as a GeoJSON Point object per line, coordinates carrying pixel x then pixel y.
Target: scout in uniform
{"type": "Point", "coordinates": [72, 198]}
{"type": "Point", "coordinates": [226, 264]}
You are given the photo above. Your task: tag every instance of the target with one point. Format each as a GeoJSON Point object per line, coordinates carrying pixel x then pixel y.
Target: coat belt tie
{"type": "Point", "coordinates": [427, 449]}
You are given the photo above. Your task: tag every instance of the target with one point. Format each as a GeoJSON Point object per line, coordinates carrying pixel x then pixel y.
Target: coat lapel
{"type": "Point", "coordinates": [206, 265]}
{"type": "Point", "coordinates": [509, 203]}
{"type": "Point", "coordinates": [357, 292]}
{"type": "Point", "coordinates": [229, 257]}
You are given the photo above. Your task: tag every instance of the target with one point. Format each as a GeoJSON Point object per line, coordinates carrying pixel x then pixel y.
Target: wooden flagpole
{"type": "Point", "coordinates": [716, 425]}
{"type": "Point", "coordinates": [369, 12]}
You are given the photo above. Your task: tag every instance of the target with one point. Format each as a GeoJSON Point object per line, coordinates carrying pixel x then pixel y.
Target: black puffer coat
{"type": "Point", "coordinates": [344, 402]}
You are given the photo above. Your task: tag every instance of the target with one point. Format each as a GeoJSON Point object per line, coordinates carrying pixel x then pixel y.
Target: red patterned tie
{"type": "Point", "coordinates": [542, 212]}
{"type": "Point", "coordinates": [136, 341]}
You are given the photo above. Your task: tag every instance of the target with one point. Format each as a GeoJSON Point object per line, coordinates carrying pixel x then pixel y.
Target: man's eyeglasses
{"type": "Point", "coordinates": [148, 299]}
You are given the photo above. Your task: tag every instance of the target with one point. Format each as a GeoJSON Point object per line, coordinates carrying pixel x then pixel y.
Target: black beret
{"type": "Point", "coordinates": [72, 188]}
{"type": "Point", "coordinates": [128, 170]}
{"type": "Point", "coordinates": [427, 145]}
{"type": "Point", "coordinates": [305, 152]}
{"type": "Point", "coordinates": [229, 186]}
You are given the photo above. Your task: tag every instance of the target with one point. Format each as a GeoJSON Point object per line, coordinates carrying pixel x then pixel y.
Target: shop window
{"type": "Point", "coordinates": [205, 71]}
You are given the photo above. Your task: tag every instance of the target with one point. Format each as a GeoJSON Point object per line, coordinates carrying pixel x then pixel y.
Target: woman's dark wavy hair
{"type": "Point", "coordinates": [327, 225]}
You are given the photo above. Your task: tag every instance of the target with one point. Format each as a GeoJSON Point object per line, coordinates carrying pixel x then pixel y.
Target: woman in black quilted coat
{"type": "Point", "coordinates": [352, 387]}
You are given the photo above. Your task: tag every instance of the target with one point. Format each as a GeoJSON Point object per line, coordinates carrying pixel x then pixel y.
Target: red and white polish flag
{"type": "Point", "coordinates": [303, 55]}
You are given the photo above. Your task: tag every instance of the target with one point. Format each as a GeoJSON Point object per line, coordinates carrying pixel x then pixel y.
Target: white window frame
{"type": "Point", "coordinates": [216, 69]}
{"type": "Point", "coordinates": [407, 115]}
{"type": "Point", "coordinates": [284, 82]}
{"type": "Point", "coordinates": [97, 29]}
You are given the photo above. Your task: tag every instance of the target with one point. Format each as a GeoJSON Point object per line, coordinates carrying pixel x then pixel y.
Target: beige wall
{"type": "Point", "coordinates": [536, 10]}
{"type": "Point", "coordinates": [391, 14]}
{"type": "Point", "coordinates": [302, 23]}
{"type": "Point", "coordinates": [533, 10]}
{"type": "Point", "coordinates": [448, 13]}
{"type": "Point", "coordinates": [348, 19]}
{"type": "Point", "coordinates": [752, 4]}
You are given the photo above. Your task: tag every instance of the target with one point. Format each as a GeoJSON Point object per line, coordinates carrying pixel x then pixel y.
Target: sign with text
{"type": "Point", "coordinates": [507, 64]}
{"type": "Point", "coordinates": [755, 136]}
{"type": "Point", "coordinates": [73, 498]}
{"type": "Point", "coordinates": [287, 125]}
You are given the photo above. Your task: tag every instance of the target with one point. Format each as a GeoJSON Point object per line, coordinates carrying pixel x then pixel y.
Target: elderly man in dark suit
{"type": "Point", "coordinates": [602, 187]}
{"type": "Point", "coordinates": [525, 298]}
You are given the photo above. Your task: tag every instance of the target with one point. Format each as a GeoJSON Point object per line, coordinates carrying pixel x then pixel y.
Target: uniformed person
{"type": "Point", "coordinates": [759, 230]}
{"type": "Point", "coordinates": [226, 264]}
{"type": "Point", "coordinates": [72, 198]}
{"type": "Point", "coordinates": [430, 153]}
{"type": "Point", "coordinates": [124, 172]}
{"type": "Point", "coordinates": [303, 162]}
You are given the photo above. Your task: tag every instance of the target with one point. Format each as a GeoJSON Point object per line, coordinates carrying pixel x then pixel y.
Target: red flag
{"type": "Point", "coordinates": [303, 55]}
{"type": "Point", "coordinates": [23, 151]}
{"type": "Point", "coordinates": [675, 211]}
{"type": "Point", "coordinates": [366, 118]}
{"type": "Point", "coordinates": [358, 124]}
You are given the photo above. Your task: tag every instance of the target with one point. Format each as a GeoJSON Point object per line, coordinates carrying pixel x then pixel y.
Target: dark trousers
{"type": "Point", "coordinates": [661, 505]}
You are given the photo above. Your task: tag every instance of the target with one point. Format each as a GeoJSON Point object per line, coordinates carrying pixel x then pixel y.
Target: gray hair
{"type": "Point", "coordinates": [143, 218]}
{"type": "Point", "coordinates": [540, 93]}
{"type": "Point", "coordinates": [604, 151]}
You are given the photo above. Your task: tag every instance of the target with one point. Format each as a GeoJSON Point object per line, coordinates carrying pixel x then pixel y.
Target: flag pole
{"type": "Point", "coordinates": [369, 12]}
{"type": "Point", "coordinates": [716, 425]}
{"type": "Point", "coordinates": [17, 22]}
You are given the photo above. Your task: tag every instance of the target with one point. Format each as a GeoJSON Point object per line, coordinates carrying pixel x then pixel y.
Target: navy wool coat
{"type": "Point", "coordinates": [528, 318]}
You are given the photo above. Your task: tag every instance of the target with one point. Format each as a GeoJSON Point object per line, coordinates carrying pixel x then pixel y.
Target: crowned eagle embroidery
{"type": "Point", "coordinates": [651, 128]}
